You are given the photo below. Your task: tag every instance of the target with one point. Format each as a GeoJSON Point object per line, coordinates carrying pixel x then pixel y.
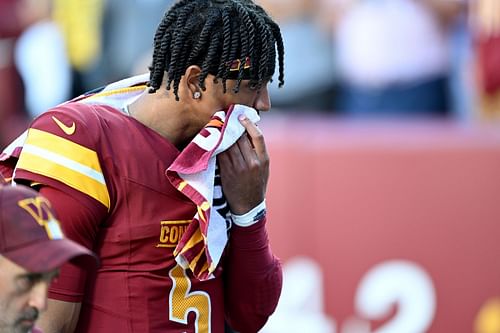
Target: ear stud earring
{"type": "Point", "coordinates": [197, 95]}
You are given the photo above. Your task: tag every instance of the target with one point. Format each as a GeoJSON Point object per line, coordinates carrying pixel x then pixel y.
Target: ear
{"type": "Point", "coordinates": [192, 77]}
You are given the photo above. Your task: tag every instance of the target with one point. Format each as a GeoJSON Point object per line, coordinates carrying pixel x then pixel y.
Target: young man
{"type": "Point", "coordinates": [104, 165]}
{"type": "Point", "coordinates": [32, 249]}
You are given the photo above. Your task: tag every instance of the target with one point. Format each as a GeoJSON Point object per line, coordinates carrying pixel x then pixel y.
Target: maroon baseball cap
{"type": "Point", "coordinates": [30, 234]}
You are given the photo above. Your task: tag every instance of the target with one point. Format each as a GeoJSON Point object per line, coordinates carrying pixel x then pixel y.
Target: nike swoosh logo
{"type": "Point", "coordinates": [69, 130]}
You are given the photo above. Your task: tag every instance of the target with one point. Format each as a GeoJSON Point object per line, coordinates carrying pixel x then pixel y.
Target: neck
{"type": "Point", "coordinates": [166, 116]}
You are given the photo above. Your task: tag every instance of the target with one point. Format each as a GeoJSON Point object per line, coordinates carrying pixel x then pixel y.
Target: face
{"type": "Point", "coordinates": [214, 99]}
{"type": "Point", "coordinates": [23, 295]}
{"type": "Point", "coordinates": [248, 95]}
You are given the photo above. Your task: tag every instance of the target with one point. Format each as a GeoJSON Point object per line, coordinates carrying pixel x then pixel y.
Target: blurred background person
{"type": "Point", "coordinates": [81, 24]}
{"type": "Point", "coordinates": [486, 28]}
{"type": "Point", "coordinates": [13, 20]}
{"type": "Point", "coordinates": [461, 77]}
{"type": "Point", "coordinates": [41, 58]}
{"type": "Point", "coordinates": [32, 248]}
{"type": "Point", "coordinates": [393, 56]}
{"type": "Point", "coordinates": [308, 57]}
{"type": "Point", "coordinates": [125, 50]}
{"type": "Point", "coordinates": [105, 40]}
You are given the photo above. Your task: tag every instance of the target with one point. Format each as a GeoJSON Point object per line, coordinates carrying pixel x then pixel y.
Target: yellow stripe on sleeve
{"type": "Point", "coordinates": [70, 163]}
{"type": "Point", "coordinates": [117, 91]}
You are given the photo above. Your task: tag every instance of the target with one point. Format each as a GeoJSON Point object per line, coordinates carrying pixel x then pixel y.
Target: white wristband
{"type": "Point", "coordinates": [250, 218]}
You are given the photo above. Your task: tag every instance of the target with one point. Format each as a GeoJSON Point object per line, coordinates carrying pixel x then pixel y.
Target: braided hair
{"type": "Point", "coordinates": [216, 35]}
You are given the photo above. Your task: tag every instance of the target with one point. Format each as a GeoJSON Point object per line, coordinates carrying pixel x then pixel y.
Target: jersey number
{"type": "Point", "coordinates": [182, 301]}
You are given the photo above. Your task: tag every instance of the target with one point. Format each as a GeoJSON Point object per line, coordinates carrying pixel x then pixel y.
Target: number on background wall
{"type": "Point", "coordinates": [400, 283]}
{"type": "Point", "coordinates": [488, 318]}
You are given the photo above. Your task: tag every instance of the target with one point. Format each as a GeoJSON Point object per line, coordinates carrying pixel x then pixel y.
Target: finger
{"type": "Point", "coordinates": [225, 164]}
{"type": "Point", "coordinates": [246, 149]}
{"type": "Point", "coordinates": [256, 137]}
{"type": "Point", "coordinates": [223, 158]}
{"type": "Point", "coordinates": [235, 157]}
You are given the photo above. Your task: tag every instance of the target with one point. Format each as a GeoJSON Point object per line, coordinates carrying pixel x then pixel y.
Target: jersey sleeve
{"type": "Point", "coordinates": [253, 278]}
{"type": "Point", "coordinates": [61, 156]}
{"type": "Point", "coordinates": [80, 225]}
{"type": "Point", "coordinates": [61, 150]}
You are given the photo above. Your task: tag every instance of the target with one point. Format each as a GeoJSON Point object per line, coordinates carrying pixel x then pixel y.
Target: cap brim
{"type": "Point", "coordinates": [48, 255]}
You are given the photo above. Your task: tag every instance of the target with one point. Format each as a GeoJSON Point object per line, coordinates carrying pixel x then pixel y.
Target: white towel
{"type": "Point", "coordinates": [193, 173]}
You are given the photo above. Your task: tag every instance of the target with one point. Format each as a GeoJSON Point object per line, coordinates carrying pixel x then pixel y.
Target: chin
{"type": "Point", "coordinates": [24, 327]}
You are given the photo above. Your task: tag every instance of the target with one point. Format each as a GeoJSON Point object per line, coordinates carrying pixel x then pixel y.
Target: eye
{"type": "Point", "coordinates": [253, 86]}
{"type": "Point", "coordinates": [25, 283]}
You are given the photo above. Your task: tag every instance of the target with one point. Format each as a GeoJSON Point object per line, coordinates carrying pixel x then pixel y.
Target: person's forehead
{"type": "Point", "coordinates": [9, 267]}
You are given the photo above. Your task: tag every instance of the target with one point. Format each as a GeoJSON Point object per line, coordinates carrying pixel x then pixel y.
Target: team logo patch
{"type": "Point", "coordinates": [39, 209]}
{"type": "Point", "coordinates": [171, 232]}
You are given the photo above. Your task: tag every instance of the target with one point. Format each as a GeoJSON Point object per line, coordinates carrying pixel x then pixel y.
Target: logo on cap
{"type": "Point", "coordinates": [39, 208]}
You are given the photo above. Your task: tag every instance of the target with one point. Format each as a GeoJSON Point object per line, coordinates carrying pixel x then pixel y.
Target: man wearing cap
{"type": "Point", "coordinates": [32, 248]}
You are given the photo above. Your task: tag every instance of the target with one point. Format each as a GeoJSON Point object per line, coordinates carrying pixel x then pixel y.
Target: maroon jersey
{"type": "Point", "coordinates": [105, 173]}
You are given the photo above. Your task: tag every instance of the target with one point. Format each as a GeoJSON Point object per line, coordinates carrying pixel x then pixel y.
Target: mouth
{"type": "Point", "coordinates": [27, 322]}
{"type": "Point", "coordinates": [26, 325]}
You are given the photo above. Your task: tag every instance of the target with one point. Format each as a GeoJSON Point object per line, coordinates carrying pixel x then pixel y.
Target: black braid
{"type": "Point", "coordinates": [222, 71]}
{"type": "Point", "coordinates": [209, 45]}
{"type": "Point", "coordinates": [244, 54]}
{"type": "Point", "coordinates": [264, 31]}
{"type": "Point", "coordinates": [247, 22]}
{"type": "Point", "coordinates": [281, 53]}
{"type": "Point", "coordinates": [212, 34]}
{"type": "Point", "coordinates": [182, 56]}
{"type": "Point", "coordinates": [235, 40]}
{"type": "Point", "coordinates": [158, 62]}
{"type": "Point", "coordinates": [247, 33]}
{"type": "Point", "coordinates": [204, 37]}
{"type": "Point", "coordinates": [178, 43]}
{"type": "Point", "coordinates": [211, 58]}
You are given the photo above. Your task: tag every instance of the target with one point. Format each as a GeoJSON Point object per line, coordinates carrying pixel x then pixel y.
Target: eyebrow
{"type": "Point", "coordinates": [41, 276]}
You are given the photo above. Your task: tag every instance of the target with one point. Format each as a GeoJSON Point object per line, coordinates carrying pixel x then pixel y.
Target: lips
{"type": "Point", "coordinates": [25, 325]}
{"type": "Point", "coordinates": [27, 322]}
{"type": "Point", "coordinates": [28, 319]}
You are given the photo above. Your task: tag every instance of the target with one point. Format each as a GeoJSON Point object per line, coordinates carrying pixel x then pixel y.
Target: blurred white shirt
{"type": "Point", "coordinates": [383, 42]}
{"type": "Point", "coordinates": [41, 58]}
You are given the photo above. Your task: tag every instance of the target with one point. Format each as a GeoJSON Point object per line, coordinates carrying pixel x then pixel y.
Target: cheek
{"type": "Point", "coordinates": [222, 101]}
{"type": "Point", "coordinates": [244, 98]}
{"type": "Point", "coordinates": [9, 311]}
{"type": "Point", "coordinates": [214, 103]}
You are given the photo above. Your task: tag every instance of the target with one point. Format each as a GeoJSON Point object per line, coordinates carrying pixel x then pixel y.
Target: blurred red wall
{"type": "Point", "coordinates": [355, 196]}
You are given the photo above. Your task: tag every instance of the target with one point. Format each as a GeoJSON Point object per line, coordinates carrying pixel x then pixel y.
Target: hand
{"type": "Point", "coordinates": [244, 170]}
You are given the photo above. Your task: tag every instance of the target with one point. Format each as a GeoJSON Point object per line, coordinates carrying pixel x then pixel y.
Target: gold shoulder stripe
{"type": "Point", "coordinates": [63, 160]}
{"type": "Point", "coordinates": [117, 91]}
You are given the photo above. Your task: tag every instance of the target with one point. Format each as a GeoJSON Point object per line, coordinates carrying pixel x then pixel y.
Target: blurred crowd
{"type": "Point", "coordinates": [355, 58]}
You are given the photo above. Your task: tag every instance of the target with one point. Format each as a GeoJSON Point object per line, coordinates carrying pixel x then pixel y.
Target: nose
{"type": "Point", "coordinates": [263, 102]}
{"type": "Point", "coordinates": [38, 296]}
